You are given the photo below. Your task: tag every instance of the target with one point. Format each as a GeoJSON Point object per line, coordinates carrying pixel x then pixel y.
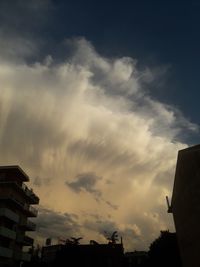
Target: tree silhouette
{"type": "Point", "coordinates": [73, 241]}
{"type": "Point", "coordinates": [113, 238]}
{"type": "Point", "coordinates": [164, 251]}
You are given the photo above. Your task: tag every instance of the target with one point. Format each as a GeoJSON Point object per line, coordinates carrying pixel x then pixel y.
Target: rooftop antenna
{"type": "Point", "coordinates": [169, 210]}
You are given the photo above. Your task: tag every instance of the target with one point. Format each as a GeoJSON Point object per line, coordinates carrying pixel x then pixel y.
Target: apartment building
{"type": "Point", "coordinates": [16, 201]}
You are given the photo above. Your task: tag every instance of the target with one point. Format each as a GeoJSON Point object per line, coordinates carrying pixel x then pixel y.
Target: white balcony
{"type": "Point", "coordinates": [6, 252]}
{"type": "Point", "coordinates": [7, 233]}
{"type": "Point", "coordinates": [5, 212]}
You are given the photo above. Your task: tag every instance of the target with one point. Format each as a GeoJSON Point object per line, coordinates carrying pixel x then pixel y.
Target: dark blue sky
{"type": "Point", "coordinates": [157, 33]}
{"type": "Point", "coordinates": [154, 32]}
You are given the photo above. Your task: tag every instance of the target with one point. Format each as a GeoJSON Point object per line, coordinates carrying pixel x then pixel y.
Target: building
{"type": "Point", "coordinates": [88, 255]}
{"type": "Point", "coordinates": [15, 209]}
{"type": "Point", "coordinates": [185, 205]}
{"type": "Point", "coordinates": [164, 251]}
{"type": "Point", "coordinates": [136, 258]}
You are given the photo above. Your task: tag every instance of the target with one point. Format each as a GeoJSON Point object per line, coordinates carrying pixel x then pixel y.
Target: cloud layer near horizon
{"type": "Point", "coordinates": [94, 143]}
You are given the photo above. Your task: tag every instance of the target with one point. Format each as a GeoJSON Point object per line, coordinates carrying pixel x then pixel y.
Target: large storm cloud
{"type": "Point", "coordinates": [93, 140]}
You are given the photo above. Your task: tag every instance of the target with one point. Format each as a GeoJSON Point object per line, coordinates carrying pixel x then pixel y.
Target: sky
{"type": "Point", "coordinates": [96, 100]}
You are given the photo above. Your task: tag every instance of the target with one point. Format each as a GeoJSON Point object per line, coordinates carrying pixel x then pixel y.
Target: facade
{"type": "Point", "coordinates": [16, 201]}
{"type": "Point", "coordinates": [185, 205]}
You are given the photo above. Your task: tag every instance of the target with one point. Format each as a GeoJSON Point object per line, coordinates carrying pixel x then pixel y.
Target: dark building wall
{"type": "Point", "coordinates": [186, 205]}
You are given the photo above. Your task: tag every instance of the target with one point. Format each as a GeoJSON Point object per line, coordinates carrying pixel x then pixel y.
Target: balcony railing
{"type": "Point", "coordinates": [28, 225]}
{"type": "Point", "coordinates": [29, 193]}
{"type": "Point", "coordinates": [32, 212]}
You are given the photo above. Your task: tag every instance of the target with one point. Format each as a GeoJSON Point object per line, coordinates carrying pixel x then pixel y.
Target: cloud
{"type": "Point", "coordinates": [85, 181]}
{"type": "Point", "coordinates": [56, 225]}
{"type": "Point", "coordinates": [115, 207]}
{"type": "Point", "coordinates": [38, 181]}
{"type": "Point", "coordinates": [87, 122]}
{"type": "Point", "coordinates": [88, 182]}
{"type": "Point", "coordinates": [130, 234]}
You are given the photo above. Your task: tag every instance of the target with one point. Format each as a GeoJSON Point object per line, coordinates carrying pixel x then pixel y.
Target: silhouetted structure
{"type": "Point", "coordinates": [15, 207]}
{"type": "Point", "coordinates": [91, 255]}
{"type": "Point", "coordinates": [186, 205]}
{"type": "Point", "coordinates": [136, 259]}
{"type": "Point", "coordinates": [164, 251]}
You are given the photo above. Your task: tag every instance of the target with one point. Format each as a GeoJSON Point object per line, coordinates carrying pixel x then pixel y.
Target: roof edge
{"type": "Point", "coordinates": [16, 167]}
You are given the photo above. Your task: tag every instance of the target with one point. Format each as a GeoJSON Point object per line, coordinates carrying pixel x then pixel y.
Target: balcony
{"type": "Point", "coordinates": [31, 212]}
{"type": "Point", "coordinates": [28, 225]}
{"type": "Point", "coordinates": [29, 193]}
{"type": "Point", "coordinates": [32, 197]}
{"type": "Point", "coordinates": [6, 252]}
{"type": "Point", "coordinates": [7, 233]}
{"type": "Point", "coordinates": [25, 240]}
{"type": "Point", "coordinates": [31, 226]}
{"type": "Point", "coordinates": [5, 212]}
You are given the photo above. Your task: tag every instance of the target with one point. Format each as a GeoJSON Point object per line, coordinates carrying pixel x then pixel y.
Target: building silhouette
{"type": "Point", "coordinates": [185, 205]}
{"type": "Point", "coordinates": [15, 208]}
{"type": "Point", "coordinates": [136, 259]}
{"type": "Point", "coordinates": [164, 251]}
{"type": "Point", "coordinates": [84, 255]}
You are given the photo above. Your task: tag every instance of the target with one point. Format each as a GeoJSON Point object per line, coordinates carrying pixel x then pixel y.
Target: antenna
{"type": "Point", "coordinates": [169, 210]}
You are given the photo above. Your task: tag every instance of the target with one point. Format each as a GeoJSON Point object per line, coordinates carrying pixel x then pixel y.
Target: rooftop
{"type": "Point", "coordinates": [14, 170]}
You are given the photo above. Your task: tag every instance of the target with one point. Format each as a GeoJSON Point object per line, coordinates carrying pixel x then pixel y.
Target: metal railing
{"type": "Point", "coordinates": [30, 193]}
{"type": "Point", "coordinates": [24, 206]}
{"type": "Point", "coordinates": [27, 191]}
